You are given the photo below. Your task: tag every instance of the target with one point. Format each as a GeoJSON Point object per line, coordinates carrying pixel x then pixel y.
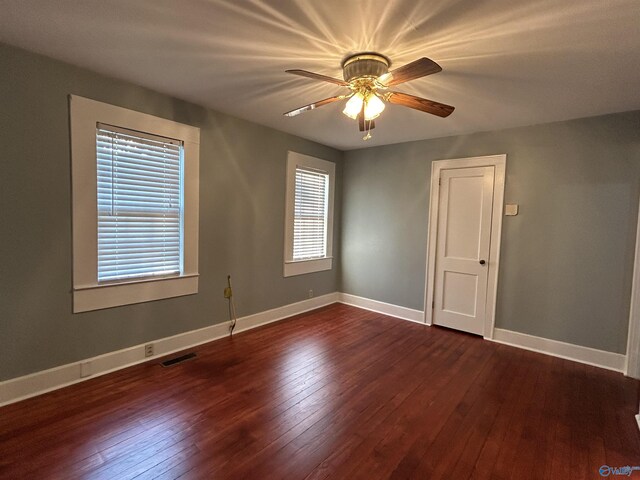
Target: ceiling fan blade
{"type": "Point", "coordinates": [314, 105]}
{"type": "Point", "coordinates": [317, 76]}
{"type": "Point", "coordinates": [420, 68]}
{"type": "Point", "coordinates": [418, 103]}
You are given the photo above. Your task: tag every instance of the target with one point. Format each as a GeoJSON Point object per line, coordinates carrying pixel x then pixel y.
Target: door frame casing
{"type": "Point", "coordinates": [499, 162]}
{"type": "Point", "coordinates": [632, 367]}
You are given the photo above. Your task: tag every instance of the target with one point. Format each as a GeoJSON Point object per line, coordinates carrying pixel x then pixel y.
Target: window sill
{"type": "Point", "coordinates": [97, 297]}
{"type": "Point", "coordinates": [307, 266]}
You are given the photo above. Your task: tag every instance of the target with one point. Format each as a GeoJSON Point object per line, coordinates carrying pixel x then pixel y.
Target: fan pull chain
{"type": "Point", "coordinates": [368, 135]}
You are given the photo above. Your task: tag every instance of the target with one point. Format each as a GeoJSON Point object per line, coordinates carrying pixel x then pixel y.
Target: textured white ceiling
{"type": "Point", "coordinates": [505, 62]}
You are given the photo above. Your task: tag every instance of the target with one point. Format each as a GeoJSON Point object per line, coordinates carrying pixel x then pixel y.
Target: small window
{"type": "Point", "coordinates": [310, 209]}
{"type": "Point", "coordinates": [309, 215]}
{"type": "Point", "coordinates": [135, 206]}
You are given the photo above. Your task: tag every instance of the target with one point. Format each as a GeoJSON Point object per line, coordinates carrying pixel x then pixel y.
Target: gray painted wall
{"type": "Point", "coordinates": [567, 258]}
{"type": "Point", "coordinates": [242, 196]}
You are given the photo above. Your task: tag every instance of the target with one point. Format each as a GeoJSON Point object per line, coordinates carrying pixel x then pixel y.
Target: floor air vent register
{"type": "Point", "coordinates": [176, 360]}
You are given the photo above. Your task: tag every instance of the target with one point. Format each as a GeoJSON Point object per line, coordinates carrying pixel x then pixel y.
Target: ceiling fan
{"type": "Point", "coordinates": [368, 77]}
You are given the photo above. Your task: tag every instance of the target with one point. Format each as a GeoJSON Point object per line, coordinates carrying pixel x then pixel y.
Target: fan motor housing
{"type": "Point", "coordinates": [366, 64]}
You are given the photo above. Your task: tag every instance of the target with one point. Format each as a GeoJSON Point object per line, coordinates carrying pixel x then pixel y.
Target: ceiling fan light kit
{"type": "Point", "coordinates": [368, 77]}
{"type": "Point", "coordinates": [371, 104]}
{"type": "Point", "coordinates": [353, 107]}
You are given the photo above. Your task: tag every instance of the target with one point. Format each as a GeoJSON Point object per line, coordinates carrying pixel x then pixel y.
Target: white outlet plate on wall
{"type": "Point", "coordinates": [85, 369]}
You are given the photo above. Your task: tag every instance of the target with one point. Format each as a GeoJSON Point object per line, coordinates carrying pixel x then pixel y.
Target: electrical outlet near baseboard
{"type": "Point", "coordinates": [148, 350]}
{"type": "Point", "coordinates": [310, 293]}
{"type": "Point", "coordinates": [85, 369]}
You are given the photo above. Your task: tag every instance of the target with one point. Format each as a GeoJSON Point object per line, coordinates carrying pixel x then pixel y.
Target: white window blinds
{"type": "Point", "coordinates": [140, 206]}
{"type": "Point", "coordinates": [310, 214]}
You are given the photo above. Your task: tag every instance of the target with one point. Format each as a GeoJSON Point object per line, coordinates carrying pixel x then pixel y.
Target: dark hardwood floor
{"type": "Point", "coordinates": [336, 393]}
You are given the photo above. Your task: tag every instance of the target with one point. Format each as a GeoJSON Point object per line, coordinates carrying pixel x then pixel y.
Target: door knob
{"type": "Point", "coordinates": [482, 262]}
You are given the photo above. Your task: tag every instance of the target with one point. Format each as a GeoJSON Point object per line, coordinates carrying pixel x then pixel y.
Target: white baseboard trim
{"type": "Point", "coordinates": [27, 386]}
{"type": "Point", "coordinates": [638, 420]}
{"type": "Point", "coordinates": [397, 311]}
{"type": "Point", "coordinates": [21, 388]}
{"type": "Point", "coordinates": [568, 351]}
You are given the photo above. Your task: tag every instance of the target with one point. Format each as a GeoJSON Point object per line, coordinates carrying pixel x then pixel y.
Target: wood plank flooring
{"type": "Point", "coordinates": [338, 393]}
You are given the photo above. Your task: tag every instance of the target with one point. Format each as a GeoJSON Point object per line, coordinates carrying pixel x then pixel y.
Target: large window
{"type": "Point", "coordinates": [309, 214]}
{"type": "Point", "coordinates": [140, 186]}
{"type": "Point", "coordinates": [135, 206]}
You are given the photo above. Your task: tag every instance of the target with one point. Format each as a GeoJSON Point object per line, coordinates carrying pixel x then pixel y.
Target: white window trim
{"type": "Point", "coordinates": [87, 293]}
{"type": "Point", "coordinates": [300, 267]}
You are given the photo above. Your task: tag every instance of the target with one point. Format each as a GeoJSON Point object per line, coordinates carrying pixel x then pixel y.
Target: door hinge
{"type": "Point", "coordinates": [433, 305]}
{"type": "Point", "coordinates": [439, 181]}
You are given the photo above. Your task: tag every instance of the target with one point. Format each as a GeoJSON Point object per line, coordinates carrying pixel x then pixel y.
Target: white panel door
{"type": "Point", "coordinates": [462, 248]}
